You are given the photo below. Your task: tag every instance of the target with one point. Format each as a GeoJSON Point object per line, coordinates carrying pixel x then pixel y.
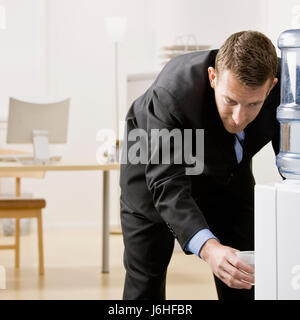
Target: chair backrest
{"type": "Point", "coordinates": [23, 174]}
{"type": "Point", "coordinates": [19, 175]}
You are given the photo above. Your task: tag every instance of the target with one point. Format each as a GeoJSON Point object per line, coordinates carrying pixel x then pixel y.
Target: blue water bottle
{"type": "Point", "coordinates": [288, 113]}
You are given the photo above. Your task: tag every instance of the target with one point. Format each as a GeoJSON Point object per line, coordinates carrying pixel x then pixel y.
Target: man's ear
{"type": "Point", "coordinates": [212, 77]}
{"type": "Point", "coordinates": [273, 85]}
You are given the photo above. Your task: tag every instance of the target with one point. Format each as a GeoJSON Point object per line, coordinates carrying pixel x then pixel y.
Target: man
{"type": "Point", "coordinates": [232, 94]}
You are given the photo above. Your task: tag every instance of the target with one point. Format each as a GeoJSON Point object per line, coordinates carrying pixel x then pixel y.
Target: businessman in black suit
{"type": "Point", "coordinates": [232, 95]}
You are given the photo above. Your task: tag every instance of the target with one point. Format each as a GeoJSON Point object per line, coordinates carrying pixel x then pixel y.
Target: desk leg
{"type": "Point", "coordinates": [105, 223]}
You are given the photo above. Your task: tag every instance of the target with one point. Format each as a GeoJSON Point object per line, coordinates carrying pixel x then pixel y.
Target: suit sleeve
{"type": "Point", "coordinates": [168, 182]}
{"type": "Point", "coordinates": [276, 136]}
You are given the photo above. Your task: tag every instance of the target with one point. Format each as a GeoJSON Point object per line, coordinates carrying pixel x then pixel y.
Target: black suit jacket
{"type": "Point", "coordinates": [181, 97]}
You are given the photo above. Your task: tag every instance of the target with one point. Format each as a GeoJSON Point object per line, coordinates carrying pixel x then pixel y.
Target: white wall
{"type": "Point", "coordinates": [22, 51]}
{"type": "Point", "coordinates": [81, 65]}
{"type": "Point", "coordinates": [210, 21]}
{"type": "Point", "coordinates": [279, 17]}
{"type": "Point", "coordinates": [22, 59]}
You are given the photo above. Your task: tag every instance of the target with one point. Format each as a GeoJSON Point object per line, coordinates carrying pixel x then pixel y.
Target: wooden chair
{"type": "Point", "coordinates": [18, 208]}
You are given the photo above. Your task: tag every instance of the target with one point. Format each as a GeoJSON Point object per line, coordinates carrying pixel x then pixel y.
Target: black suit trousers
{"type": "Point", "coordinates": [148, 249]}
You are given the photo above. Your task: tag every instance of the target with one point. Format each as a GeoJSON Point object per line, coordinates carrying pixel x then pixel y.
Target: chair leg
{"type": "Point", "coordinates": [40, 244]}
{"type": "Point", "coordinates": [17, 243]}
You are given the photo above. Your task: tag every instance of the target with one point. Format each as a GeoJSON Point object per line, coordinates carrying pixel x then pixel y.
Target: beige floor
{"type": "Point", "coordinates": [72, 270]}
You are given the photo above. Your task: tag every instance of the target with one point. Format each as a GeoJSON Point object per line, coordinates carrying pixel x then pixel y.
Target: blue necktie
{"type": "Point", "coordinates": [238, 145]}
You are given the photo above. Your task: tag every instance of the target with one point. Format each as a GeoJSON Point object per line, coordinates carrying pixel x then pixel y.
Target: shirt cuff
{"type": "Point", "coordinates": [198, 240]}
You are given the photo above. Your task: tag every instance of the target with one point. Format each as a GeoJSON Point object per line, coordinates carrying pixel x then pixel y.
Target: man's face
{"type": "Point", "coordinates": [237, 104]}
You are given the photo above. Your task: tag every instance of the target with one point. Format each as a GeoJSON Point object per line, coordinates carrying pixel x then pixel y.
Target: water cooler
{"type": "Point", "coordinates": [277, 205]}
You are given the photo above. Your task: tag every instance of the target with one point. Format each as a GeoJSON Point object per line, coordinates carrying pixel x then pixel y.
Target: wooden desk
{"type": "Point", "coordinates": [14, 167]}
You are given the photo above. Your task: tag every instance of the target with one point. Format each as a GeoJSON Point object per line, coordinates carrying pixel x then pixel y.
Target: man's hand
{"type": "Point", "coordinates": [226, 265]}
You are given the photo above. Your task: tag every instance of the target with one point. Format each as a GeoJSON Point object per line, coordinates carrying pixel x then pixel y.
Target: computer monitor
{"type": "Point", "coordinates": [38, 122]}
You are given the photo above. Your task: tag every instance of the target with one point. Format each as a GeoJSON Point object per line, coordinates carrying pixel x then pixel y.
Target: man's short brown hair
{"type": "Point", "coordinates": [250, 55]}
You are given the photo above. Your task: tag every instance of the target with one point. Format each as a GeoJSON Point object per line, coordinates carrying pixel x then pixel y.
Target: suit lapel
{"type": "Point", "coordinates": [219, 142]}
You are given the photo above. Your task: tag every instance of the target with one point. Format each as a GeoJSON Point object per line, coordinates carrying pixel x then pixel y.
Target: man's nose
{"type": "Point", "coordinates": [239, 115]}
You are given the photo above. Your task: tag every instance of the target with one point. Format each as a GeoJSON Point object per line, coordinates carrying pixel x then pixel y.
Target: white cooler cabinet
{"type": "Point", "coordinates": [277, 241]}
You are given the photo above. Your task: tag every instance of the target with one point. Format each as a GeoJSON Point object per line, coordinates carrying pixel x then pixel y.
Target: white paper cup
{"type": "Point", "coordinates": [246, 256]}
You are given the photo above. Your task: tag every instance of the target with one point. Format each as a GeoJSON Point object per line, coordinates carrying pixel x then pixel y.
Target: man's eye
{"type": "Point", "coordinates": [228, 100]}
{"type": "Point", "coordinates": [253, 104]}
